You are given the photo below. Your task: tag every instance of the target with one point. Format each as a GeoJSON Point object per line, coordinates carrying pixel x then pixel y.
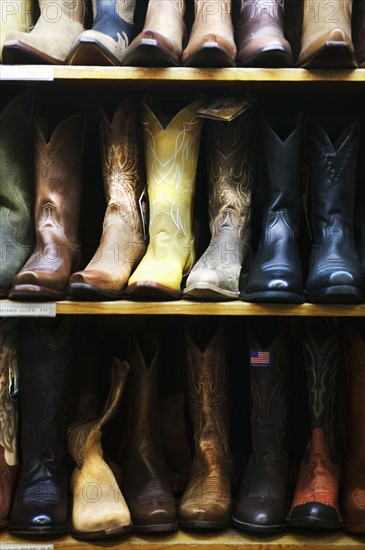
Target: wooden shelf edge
{"type": "Point", "coordinates": [185, 307]}
{"type": "Point", "coordinates": [230, 539]}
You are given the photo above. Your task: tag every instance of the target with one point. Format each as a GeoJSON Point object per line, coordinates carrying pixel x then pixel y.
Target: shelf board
{"type": "Point", "coordinates": [185, 307]}
{"type": "Point", "coordinates": [226, 540]}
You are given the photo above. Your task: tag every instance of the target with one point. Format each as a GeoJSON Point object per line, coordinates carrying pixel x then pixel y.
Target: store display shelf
{"type": "Point", "coordinates": [226, 540]}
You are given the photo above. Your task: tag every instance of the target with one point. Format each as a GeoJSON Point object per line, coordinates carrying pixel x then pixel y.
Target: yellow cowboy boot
{"type": "Point", "coordinates": [171, 162]}
{"type": "Point", "coordinates": [14, 16]}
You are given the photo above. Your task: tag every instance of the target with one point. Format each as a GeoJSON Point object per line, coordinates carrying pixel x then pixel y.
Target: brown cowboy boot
{"type": "Point", "coordinates": [211, 42]}
{"type": "Point", "coordinates": [46, 274]}
{"type": "Point", "coordinates": [353, 486]}
{"type": "Point", "coordinates": [315, 502]}
{"type": "Point", "coordinates": [106, 275]}
{"type": "Point", "coordinates": [99, 509]}
{"type": "Point", "coordinates": [163, 36]}
{"type": "Point", "coordinates": [206, 502]}
{"type": "Point", "coordinates": [216, 275]}
{"type": "Point", "coordinates": [8, 414]}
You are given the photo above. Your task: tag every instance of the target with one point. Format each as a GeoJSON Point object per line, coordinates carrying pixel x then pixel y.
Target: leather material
{"type": "Point", "coordinates": [16, 188]}
{"type": "Point", "coordinates": [52, 38]}
{"type": "Point", "coordinates": [326, 35]}
{"type": "Point", "coordinates": [112, 31]}
{"type": "Point", "coordinates": [262, 502]}
{"type": "Point", "coordinates": [171, 163]}
{"type": "Point", "coordinates": [315, 501]}
{"type": "Point", "coordinates": [211, 41]}
{"type": "Point", "coordinates": [353, 484]}
{"type": "Point", "coordinates": [276, 270]}
{"type": "Point", "coordinates": [46, 274]}
{"type": "Point", "coordinates": [107, 273]}
{"type": "Point", "coordinates": [260, 35]}
{"type": "Point", "coordinates": [207, 501]}
{"type": "Point", "coordinates": [9, 463]}
{"type": "Point", "coordinates": [15, 17]}
{"type": "Point", "coordinates": [103, 513]}
{"type": "Point", "coordinates": [145, 482]}
{"type": "Point", "coordinates": [45, 355]}
{"type": "Point", "coordinates": [359, 207]}
{"type": "Point", "coordinates": [358, 31]}
{"type": "Point", "coordinates": [334, 271]}
{"type": "Point", "coordinates": [161, 41]}
{"type": "Point", "coordinates": [229, 157]}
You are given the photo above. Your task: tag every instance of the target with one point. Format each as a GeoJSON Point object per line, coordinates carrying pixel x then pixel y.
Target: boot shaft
{"type": "Point", "coordinates": [320, 17]}
{"type": "Point", "coordinates": [115, 18]}
{"type": "Point", "coordinates": [261, 13]}
{"type": "Point", "coordinates": [16, 15]}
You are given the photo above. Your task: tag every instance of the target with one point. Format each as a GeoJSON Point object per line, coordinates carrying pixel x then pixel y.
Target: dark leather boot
{"type": "Point", "coordinates": [46, 274]}
{"type": "Point", "coordinates": [262, 502]}
{"type": "Point", "coordinates": [9, 464]}
{"type": "Point", "coordinates": [275, 274]}
{"type": "Point", "coordinates": [45, 354]}
{"type": "Point", "coordinates": [112, 30]}
{"type": "Point", "coordinates": [315, 502]}
{"type": "Point", "coordinates": [359, 210]}
{"type": "Point", "coordinates": [353, 484]}
{"type": "Point", "coordinates": [230, 159]}
{"type": "Point", "coordinates": [16, 188]}
{"type": "Point", "coordinates": [334, 271]}
{"type": "Point", "coordinates": [206, 502]}
{"type": "Point", "coordinates": [358, 31]}
{"type": "Point", "coordinates": [260, 35]}
{"type": "Point", "coordinates": [145, 486]}
{"type": "Point", "coordinates": [106, 275]}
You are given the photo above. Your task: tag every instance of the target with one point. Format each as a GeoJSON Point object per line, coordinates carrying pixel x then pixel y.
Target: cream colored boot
{"type": "Point", "coordinates": [211, 42]}
{"type": "Point", "coordinates": [99, 509]}
{"type": "Point", "coordinates": [15, 15]}
{"type": "Point", "coordinates": [326, 35]}
{"type": "Point", "coordinates": [50, 42]}
{"type": "Point", "coordinates": [161, 41]}
{"type": "Point", "coordinates": [171, 162]}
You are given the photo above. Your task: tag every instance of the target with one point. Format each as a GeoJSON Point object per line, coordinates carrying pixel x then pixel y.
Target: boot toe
{"type": "Point", "coordinates": [314, 514]}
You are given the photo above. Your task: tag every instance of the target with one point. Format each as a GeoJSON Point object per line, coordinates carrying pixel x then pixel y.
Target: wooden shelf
{"type": "Point", "coordinates": [226, 540]}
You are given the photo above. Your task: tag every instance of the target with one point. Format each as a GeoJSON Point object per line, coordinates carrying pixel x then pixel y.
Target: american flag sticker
{"type": "Point", "coordinates": [261, 358]}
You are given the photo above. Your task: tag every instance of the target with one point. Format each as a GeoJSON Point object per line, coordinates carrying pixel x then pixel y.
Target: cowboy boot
{"type": "Point", "coordinates": [17, 16]}
{"type": "Point", "coordinates": [45, 354]}
{"type": "Point", "coordinates": [315, 501]}
{"type": "Point", "coordinates": [216, 276]}
{"type": "Point", "coordinates": [105, 277]}
{"type": "Point", "coordinates": [145, 484]}
{"type": "Point", "coordinates": [353, 485]}
{"type": "Point", "coordinates": [163, 36]}
{"type": "Point", "coordinates": [211, 42]}
{"type": "Point", "coordinates": [206, 502]}
{"type": "Point", "coordinates": [98, 509]}
{"type": "Point", "coordinates": [334, 272]}
{"type": "Point", "coordinates": [326, 35]}
{"type": "Point", "coordinates": [46, 274]}
{"type": "Point", "coordinates": [358, 31]}
{"type": "Point", "coordinates": [8, 414]}
{"type": "Point", "coordinates": [171, 163]}
{"type": "Point", "coordinates": [16, 188]}
{"type": "Point", "coordinates": [260, 35]}
{"type": "Point", "coordinates": [359, 207]}
{"type": "Point", "coordinates": [276, 270]}
{"type": "Point", "coordinates": [262, 501]}
{"type": "Point", "coordinates": [112, 30]}
{"type": "Point", "coordinates": [51, 40]}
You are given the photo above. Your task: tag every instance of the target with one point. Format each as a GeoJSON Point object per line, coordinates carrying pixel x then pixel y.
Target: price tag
{"type": "Point", "coordinates": [26, 72]}
{"type": "Point", "coordinates": [16, 309]}
{"type": "Point", "coordinates": [21, 546]}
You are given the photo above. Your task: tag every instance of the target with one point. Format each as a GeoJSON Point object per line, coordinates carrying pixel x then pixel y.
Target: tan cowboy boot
{"type": "Point", "coordinates": [326, 35]}
{"type": "Point", "coordinates": [51, 40]}
{"type": "Point", "coordinates": [99, 509]}
{"type": "Point", "coordinates": [8, 415]}
{"type": "Point", "coordinates": [211, 42]}
{"type": "Point", "coordinates": [171, 162]}
{"type": "Point", "coordinates": [15, 16]}
{"type": "Point", "coordinates": [206, 502]}
{"type": "Point", "coordinates": [161, 41]}
{"type": "Point", "coordinates": [105, 277]}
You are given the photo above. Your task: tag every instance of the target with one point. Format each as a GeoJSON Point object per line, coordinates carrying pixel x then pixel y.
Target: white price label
{"type": "Point", "coordinates": [21, 546]}
{"type": "Point", "coordinates": [16, 309]}
{"type": "Point", "coordinates": [26, 72]}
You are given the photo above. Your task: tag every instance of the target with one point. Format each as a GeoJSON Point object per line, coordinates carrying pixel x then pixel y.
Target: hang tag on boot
{"type": "Point", "coordinates": [261, 358]}
{"type": "Point", "coordinates": [225, 108]}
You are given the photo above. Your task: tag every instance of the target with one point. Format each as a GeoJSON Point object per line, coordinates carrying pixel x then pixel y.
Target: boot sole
{"type": "Point", "coordinates": [16, 52]}
{"type": "Point", "coordinates": [196, 524]}
{"type": "Point", "coordinates": [27, 530]}
{"type": "Point", "coordinates": [256, 528]}
{"type": "Point", "coordinates": [333, 55]}
{"type": "Point", "coordinates": [90, 52]}
{"type": "Point", "coordinates": [103, 533]}
{"type": "Point", "coordinates": [147, 290]}
{"type": "Point", "coordinates": [27, 293]}
{"type": "Point", "coordinates": [167, 527]}
{"type": "Point", "coordinates": [210, 55]}
{"type": "Point", "coordinates": [85, 292]}
{"type": "Point", "coordinates": [314, 522]}
{"type": "Point", "coordinates": [336, 295]}
{"type": "Point", "coordinates": [353, 528]}
{"type": "Point", "coordinates": [149, 53]}
{"type": "Point", "coordinates": [268, 58]}
{"type": "Point", "coordinates": [272, 296]}
{"type": "Point", "coordinates": [206, 291]}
